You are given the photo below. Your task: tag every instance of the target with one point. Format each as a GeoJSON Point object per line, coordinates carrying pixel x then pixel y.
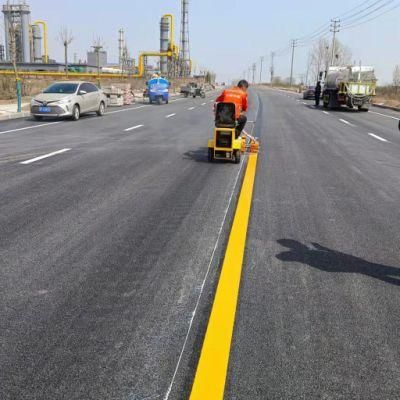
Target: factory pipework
{"type": "Point", "coordinates": [167, 42]}
{"type": "Point", "coordinates": [164, 44]}
{"type": "Point", "coordinates": [142, 56]}
{"type": "Point", "coordinates": [173, 47]}
{"type": "Point", "coordinates": [36, 44]}
{"type": "Point", "coordinates": [45, 41]}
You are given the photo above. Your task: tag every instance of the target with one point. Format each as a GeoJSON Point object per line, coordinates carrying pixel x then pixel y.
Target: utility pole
{"type": "Point", "coordinates": [294, 45]}
{"type": "Point", "coordinates": [335, 28]}
{"type": "Point", "coordinates": [261, 68]}
{"type": "Point", "coordinates": [254, 67]}
{"type": "Point", "coordinates": [272, 67]}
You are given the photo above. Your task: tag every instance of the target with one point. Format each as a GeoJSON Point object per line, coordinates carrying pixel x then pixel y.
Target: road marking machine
{"type": "Point", "coordinates": [225, 145]}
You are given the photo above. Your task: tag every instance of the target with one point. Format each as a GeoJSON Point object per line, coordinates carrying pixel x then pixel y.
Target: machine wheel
{"type": "Point", "coordinates": [76, 112]}
{"type": "Point", "coordinates": [102, 109]}
{"type": "Point", "coordinates": [364, 109]}
{"type": "Point", "coordinates": [167, 101]}
{"type": "Point", "coordinates": [237, 157]}
{"type": "Point", "coordinates": [37, 117]}
{"type": "Point", "coordinates": [210, 155]}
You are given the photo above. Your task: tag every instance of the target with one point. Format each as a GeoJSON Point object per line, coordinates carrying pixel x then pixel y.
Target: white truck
{"type": "Point", "coordinates": [351, 86]}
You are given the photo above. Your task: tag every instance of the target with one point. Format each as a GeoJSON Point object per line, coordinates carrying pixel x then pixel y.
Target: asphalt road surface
{"type": "Point", "coordinates": [112, 233]}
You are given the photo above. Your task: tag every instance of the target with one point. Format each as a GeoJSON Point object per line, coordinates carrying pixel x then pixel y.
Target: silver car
{"type": "Point", "coordinates": [68, 99]}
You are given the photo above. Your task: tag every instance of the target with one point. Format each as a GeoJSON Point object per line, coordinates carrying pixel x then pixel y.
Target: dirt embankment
{"type": "Point", "coordinates": [388, 96]}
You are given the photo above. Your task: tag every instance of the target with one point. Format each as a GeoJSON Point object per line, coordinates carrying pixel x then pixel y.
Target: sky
{"type": "Point", "coordinates": [226, 36]}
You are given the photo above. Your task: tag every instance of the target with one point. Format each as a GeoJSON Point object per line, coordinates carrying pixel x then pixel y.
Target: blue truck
{"type": "Point", "coordinates": [158, 90]}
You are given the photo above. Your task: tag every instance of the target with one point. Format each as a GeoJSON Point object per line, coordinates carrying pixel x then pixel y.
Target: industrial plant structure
{"type": "Point", "coordinates": [185, 68]}
{"type": "Point", "coordinates": [26, 45]}
{"type": "Point", "coordinates": [23, 40]}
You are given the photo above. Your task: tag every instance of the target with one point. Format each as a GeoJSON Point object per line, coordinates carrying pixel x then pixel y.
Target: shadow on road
{"type": "Point", "coordinates": [329, 260]}
{"type": "Point", "coordinates": [312, 106]}
{"type": "Point", "coordinates": [199, 155]}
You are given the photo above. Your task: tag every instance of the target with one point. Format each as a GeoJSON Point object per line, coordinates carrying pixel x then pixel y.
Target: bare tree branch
{"type": "Point", "coordinates": [65, 36]}
{"type": "Point", "coordinates": [320, 56]}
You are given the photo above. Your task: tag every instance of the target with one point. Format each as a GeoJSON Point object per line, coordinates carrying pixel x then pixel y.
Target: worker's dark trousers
{"type": "Point", "coordinates": [241, 122]}
{"type": "Point", "coordinates": [317, 98]}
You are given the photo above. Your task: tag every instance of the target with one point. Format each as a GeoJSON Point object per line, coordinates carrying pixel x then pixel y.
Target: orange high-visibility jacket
{"type": "Point", "coordinates": [237, 96]}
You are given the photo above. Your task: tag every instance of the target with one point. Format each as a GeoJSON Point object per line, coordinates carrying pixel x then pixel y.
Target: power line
{"type": "Point", "coordinates": [315, 34]}
{"type": "Point", "coordinates": [351, 18]}
{"type": "Point", "coordinates": [350, 26]}
{"type": "Point", "coordinates": [360, 17]}
{"type": "Point", "coordinates": [346, 15]}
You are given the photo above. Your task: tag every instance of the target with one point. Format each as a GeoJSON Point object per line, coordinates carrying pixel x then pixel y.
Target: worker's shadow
{"type": "Point", "coordinates": [199, 155]}
{"type": "Point", "coordinates": [329, 260]}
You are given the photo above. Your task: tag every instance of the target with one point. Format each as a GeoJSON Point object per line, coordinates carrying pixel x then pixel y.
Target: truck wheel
{"type": "Point", "coordinates": [237, 157]}
{"type": "Point", "coordinates": [364, 109]}
{"type": "Point", "coordinates": [210, 155]}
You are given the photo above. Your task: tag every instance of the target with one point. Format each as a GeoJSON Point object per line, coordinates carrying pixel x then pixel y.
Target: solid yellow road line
{"type": "Point", "coordinates": [209, 381]}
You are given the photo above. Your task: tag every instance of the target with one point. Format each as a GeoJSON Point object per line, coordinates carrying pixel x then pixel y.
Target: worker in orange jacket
{"type": "Point", "coordinates": [238, 96]}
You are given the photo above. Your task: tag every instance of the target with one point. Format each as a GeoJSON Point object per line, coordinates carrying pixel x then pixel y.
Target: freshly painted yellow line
{"type": "Point", "coordinates": [209, 381]}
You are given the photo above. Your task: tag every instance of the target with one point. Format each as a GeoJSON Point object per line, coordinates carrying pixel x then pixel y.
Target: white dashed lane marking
{"type": "Point", "coordinates": [32, 160]}
{"type": "Point", "coordinates": [133, 127]}
{"type": "Point", "coordinates": [378, 137]}
{"type": "Point", "coordinates": [346, 122]}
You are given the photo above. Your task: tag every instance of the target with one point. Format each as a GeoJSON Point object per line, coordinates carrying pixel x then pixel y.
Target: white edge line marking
{"type": "Point", "coordinates": [378, 137]}
{"type": "Point", "coordinates": [30, 127]}
{"type": "Point", "coordinates": [132, 128]}
{"type": "Point", "coordinates": [384, 115]}
{"type": "Point", "coordinates": [125, 109]}
{"type": "Point", "coordinates": [203, 104]}
{"type": "Point", "coordinates": [325, 112]}
{"type": "Point", "coordinates": [191, 108]}
{"type": "Point", "coordinates": [346, 122]}
{"type": "Point", "coordinates": [44, 156]}
{"type": "Point", "coordinates": [166, 397]}
{"type": "Point", "coordinates": [170, 115]}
